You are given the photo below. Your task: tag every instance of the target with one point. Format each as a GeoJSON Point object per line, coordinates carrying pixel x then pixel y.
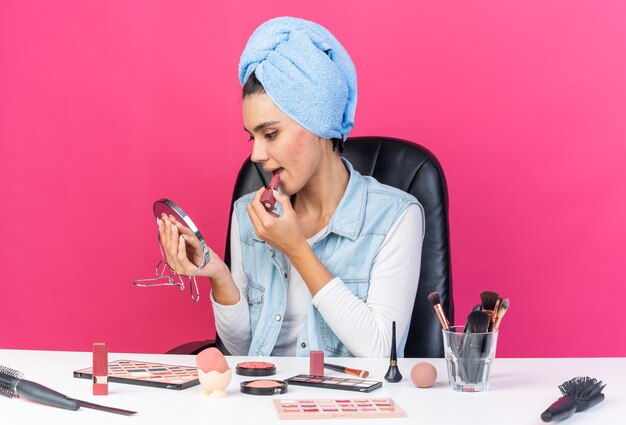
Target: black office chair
{"type": "Point", "coordinates": [415, 170]}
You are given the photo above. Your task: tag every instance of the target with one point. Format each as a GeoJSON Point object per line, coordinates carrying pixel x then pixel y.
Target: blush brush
{"type": "Point", "coordinates": [578, 394]}
{"type": "Point", "coordinates": [13, 384]}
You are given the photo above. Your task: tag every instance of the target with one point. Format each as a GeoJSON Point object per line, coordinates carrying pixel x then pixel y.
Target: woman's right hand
{"type": "Point", "coordinates": [183, 251]}
{"type": "Point", "coordinates": [185, 257]}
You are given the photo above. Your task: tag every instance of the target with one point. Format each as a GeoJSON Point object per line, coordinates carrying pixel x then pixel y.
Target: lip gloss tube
{"type": "Point", "coordinates": [267, 199]}
{"type": "Point", "coordinates": [100, 369]}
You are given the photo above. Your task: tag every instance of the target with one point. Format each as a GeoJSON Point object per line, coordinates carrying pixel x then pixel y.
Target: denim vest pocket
{"type": "Point", "coordinates": [332, 344]}
{"type": "Point", "coordinates": [256, 293]}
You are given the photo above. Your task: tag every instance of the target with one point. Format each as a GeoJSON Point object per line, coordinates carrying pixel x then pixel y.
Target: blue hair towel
{"type": "Point", "coordinates": [306, 72]}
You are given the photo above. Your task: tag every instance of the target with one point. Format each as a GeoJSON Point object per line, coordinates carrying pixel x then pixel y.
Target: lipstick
{"type": "Point", "coordinates": [267, 199]}
{"type": "Point", "coordinates": [316, 363]}
{"type": "Point", "coordinates": [100, 369]}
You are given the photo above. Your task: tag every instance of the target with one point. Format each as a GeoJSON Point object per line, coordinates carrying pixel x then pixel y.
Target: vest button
{"type": "Point", "coordinates": [285, 275]}
{"type": "Point", "coordinates": [277, 317]}
{"type": "Point", "coordinates": [303, 345]}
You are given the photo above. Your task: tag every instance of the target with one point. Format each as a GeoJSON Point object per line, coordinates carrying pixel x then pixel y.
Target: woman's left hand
{"type": "Point", "coordinates": [282, 232]}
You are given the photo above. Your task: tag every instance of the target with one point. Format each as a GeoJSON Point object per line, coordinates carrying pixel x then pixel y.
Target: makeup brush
{"type": "Point", "coordinates": [13, 385]}
{"type": "Point", "coordinates": [578, 394]}
{"type": "Point", "coordinates": [488, 299]}
{"type": "Point", "coordinates": [435, 300]}
{"type": "Point", "coordinates": [477, 322]}
{"type": "Point", "coordinates": [490, 303]}
{"type": "Point", "coordinates": [504, 307]}
{"type": "Point", "coordinates": [474, 343]}
{"type": "Point", "coordinates": [393, 373]}
{"type": "Point", "coordinates": [354, 372]}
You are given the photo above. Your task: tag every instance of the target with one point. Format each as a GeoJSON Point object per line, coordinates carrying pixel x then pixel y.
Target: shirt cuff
{"type": "Point", "coordinates": [222, 307]}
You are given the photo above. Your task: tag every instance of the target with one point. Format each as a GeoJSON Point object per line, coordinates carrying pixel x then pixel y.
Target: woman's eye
{"type": "Point", "coordinates": [251, 138]}
{"type": "Point", "coordinates": [271, 135]}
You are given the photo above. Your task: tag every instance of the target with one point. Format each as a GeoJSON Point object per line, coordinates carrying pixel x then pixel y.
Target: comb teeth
{"type": "Point", "coordinates": [582, 388]}
{"type": "Point", "coordinates": [8, 377]}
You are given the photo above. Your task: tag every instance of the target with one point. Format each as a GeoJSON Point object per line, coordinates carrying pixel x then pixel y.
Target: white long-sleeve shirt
{"type": "Point", "coordinates": [364, 327]}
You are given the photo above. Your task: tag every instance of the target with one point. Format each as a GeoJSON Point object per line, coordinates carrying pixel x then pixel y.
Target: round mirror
{"type": "Point", "coordinates": [165, 206]}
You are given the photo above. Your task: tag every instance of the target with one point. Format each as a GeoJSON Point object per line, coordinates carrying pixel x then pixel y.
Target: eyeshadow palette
{"type": "Point", "coordinates": [148, 374]}
{"type": "Point", "coordinates": [327, 409]}
{"type": "Point", "coordinates": [335, 383]}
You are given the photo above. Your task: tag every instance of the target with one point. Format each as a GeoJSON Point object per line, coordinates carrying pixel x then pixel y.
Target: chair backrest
{"type": "Point", "coordinates": [415, 170]}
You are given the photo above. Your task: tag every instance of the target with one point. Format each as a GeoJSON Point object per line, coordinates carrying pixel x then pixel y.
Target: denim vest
{"type": "Point", "coordinates": [347, 248]}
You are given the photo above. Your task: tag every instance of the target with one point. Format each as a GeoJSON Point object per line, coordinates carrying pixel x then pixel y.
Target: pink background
{"type": "Point", "coordinates": [106, 106]}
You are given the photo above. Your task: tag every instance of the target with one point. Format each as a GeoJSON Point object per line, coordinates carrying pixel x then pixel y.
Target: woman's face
{"type": "Point", "coordinates": [280, 143]}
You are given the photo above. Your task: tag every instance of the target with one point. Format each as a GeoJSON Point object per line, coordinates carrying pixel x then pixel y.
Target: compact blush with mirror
{"type": "Point", "coordinates": [169, 208]}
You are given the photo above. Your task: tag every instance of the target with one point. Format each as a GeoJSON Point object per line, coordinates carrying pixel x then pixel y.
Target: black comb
{"type": "Point", "coordinates": [13, 384]}
{"type": "Point", "coordinates": [578, 394]}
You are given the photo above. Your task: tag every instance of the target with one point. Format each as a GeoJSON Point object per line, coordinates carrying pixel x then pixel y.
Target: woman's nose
{"type": "Point", "coordinates": [259, 153]}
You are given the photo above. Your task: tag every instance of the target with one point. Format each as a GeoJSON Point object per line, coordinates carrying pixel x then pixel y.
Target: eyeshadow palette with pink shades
{"type": "Point", "coordinates": [159, 375]}
{"type": "Point", "coordinates": [338, 408]}
{"type": "Point", "coordinates": [331, 382]}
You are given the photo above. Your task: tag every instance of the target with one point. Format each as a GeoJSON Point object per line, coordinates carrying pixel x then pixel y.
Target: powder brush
{"type": "Point", "coordinates": [13, 384]}
{"type": "Point", "coordinates": [477, 322]}
{"type": "Point", "coordinates": [578, 394]}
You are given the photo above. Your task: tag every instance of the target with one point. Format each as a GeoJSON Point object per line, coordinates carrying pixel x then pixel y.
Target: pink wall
{"type": "Point", "coordinates": [106, 106]}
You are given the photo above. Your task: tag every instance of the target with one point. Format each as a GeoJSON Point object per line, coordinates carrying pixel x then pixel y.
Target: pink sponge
{"type": "Point", "coordinates": [423, 375]}
{"type": "Point", "coordinates": [211, 359]}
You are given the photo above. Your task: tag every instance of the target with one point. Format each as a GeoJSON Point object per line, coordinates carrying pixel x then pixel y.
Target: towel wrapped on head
{"type": "Point", "coordinates": [306, 72]}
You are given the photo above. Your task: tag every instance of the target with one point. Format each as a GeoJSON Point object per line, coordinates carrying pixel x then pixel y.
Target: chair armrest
{"type": "Point", "coordinates": [193, 347]}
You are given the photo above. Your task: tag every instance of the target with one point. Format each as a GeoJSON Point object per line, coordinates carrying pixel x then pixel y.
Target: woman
{"type": "Point", "coordinates": [335, 265]}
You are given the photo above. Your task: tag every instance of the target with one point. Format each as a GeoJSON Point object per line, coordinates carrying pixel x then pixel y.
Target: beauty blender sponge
{"type": "Point", "coordinates": [423, 374]}
{"type": "Point", "coordinates": [211, 359]}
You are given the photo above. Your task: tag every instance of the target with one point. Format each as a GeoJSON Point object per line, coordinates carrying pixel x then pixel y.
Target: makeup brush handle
{"type": "Point", "coordinates": [36, 392]}
{"type": "Point", "coordinates": [560, 409]}
{"type": "Point", "coordinates": [473, 354]}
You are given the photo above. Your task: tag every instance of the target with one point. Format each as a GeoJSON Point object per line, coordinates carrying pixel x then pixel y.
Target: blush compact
{"type": "Point", "coordinates": [264, 387]}
{"type": "Point", "coordinates": [255, 369]}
